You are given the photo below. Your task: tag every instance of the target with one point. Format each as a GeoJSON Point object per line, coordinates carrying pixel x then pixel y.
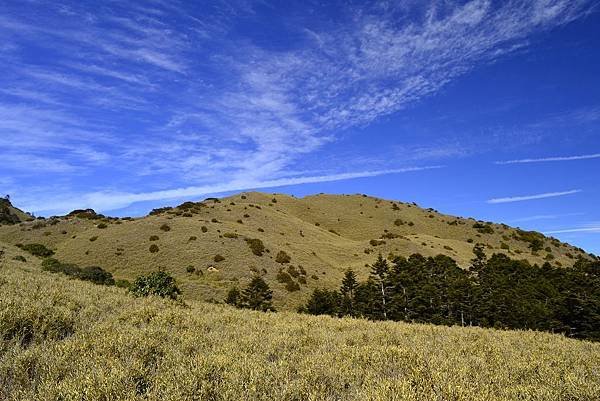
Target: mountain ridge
{"type": "Point", "coordinates": [208, 247]}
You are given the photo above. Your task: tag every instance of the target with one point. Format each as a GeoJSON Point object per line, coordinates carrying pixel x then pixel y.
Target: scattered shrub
{"type": "Point", "coordinates": [256, 246]}
{"type": "Point", "coordinates": [101, 226]}
{"type": "Point", "coordinates": [37, 250]}
{"type": "Point", "coordinates": [376, 242]}
{"type": "Point", "coordinates": [204, 229]}
{"type": "Point", "coordinates": [165, 227]}
{"type": "Point", "coordinates": [230, 235]}
{"type": "Point", "coordinates": [218, 258]}
{"type": "Point", "coordinates": [94, 238]}
{"type": "Point", "coordinates": [483, 228]}
{"type": "Point", "coordinates": [20, 258]}
{"type": "Point", "coordinates": [158, 283]}
{"type": "Point", "coordinates": [153, 248]}
{"type": "Point", "coordinates": [192, 238]}
{"type": "Point", "coordinates": [282, 257]}
{"type": "Point", "coordinates": [190, 269]}
{"type": "Point", "coordinates": [154, 238]}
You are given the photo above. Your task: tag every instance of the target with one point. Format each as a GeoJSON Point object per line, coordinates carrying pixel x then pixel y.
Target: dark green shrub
{"type": "Point", "coordinates": [230, 235]}
{"type": "Point", "coordinates": [154, 238]}
{"type": "Point", "coordinates": [218, 258]}
{"type": "Point", "coordinates": [153, 248]}
{"type": "Point", "coordinates": [96, 275]}
{"type": "Point", "coordinates": [193, 238]}
{"type": "Point", "coordinates": [204, 229]}
{"type": "Point", "coordinates": [483, 228]}
{"type": "Point", "coordinates": [190, 269]}
{"type": "Point", "coordinates": [94, 238]}
{"type": "Point", "coordinates": [165, 227]}
{"type": "Point", "coordinates": [376, 242]}
{"type": "Point", "coordinates": [20, 258]}
{"type": "Point", "coordinates": [37, 250]}
{"type": "Point", "coordinates": [282, 257]}
{"type": "Point", "coordinates": [256, 246]}
{"type": "Point", "coordinates": [102, 226]}
{"type": "Point", "coordinates": [157, 283]}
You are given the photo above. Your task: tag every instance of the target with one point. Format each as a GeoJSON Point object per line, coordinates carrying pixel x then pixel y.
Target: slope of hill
{"type": "Point", "coordinates": [70, 340]}
{"type": "Point", "coordinates": [206, 245]}
{"type": "Point", "coordinates": [10, 214]}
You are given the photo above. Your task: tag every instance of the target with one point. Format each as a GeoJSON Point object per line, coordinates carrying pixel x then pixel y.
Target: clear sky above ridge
{"type": "Point", "coordinates": [489, 109]}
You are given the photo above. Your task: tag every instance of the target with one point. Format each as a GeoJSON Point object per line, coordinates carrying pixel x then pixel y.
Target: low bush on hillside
{"type": "Point", "coordinates": [282, 257]}
{"type": "Point", "coordinates": [165, 227]}
{"type": "Point", "coordinates": [256, 246]}
{"type": "Point", "coordinates": [154, 238]}
{"type": "Point", "coordinates": [230, 235]}
{"type": "Point", "coordinates": [533, 238]}
{"type": "Point", "coordinates": [158, 283]}
{"type": "Point", "coordinates": [36, 250]}
{"type": "Point", "coordinates": [218, 258]}
{"type": "Point", "coordinates": [94, 274]}
{"type": "Point", "coordinates": [153, 248]}
{"type": "Point", "coordinates": [483, 228]}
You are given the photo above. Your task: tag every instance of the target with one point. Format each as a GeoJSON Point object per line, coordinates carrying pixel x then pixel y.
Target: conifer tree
{"type": "Point", "coordinates": [233, 297]}
{"type": "Point", "coordinates": [257, 295]}
{"type": "Point", "coordinates": [379, 273]}
{"type": "Point", "coordinates": [348, 290]}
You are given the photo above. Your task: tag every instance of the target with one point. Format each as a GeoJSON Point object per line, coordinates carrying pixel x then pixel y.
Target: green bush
{"type": "Point", "coordinates": [102, 226]}
{"type": "Point", "coordinates": [158, 283]}
{"type": "Point", "coordinates": [37, 250]}
{"type": "Point", "coordinates": [95, 274]}
{"type": "Point", "coordinates": [204, 229]}
{"type": "Point", "coordinates": [218, 258]}
{"type": "Point", "coordinates": [154, 238]}
{"type": "Point", "coordinates": [256, 246]}
{"type": "Point", "coordinates": [165, 227]}
{"type": "Point", "coordinates": [282, 257]}
{"type": "Point", "coordinates": [483, 228]}
{"type": "Point", "coordinates": [230, 235]}
{"type": "Point", "coordinates": [20, 258]}
{"type": "Point", "coordinates": [153, 248]}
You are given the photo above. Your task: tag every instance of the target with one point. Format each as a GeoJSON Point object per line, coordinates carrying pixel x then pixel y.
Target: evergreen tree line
{"type": "Point", "coordinates": [499, 292]}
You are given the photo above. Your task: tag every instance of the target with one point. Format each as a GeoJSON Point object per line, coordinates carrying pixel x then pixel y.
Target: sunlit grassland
{"type": "Point", "coordinates": [68, 340]}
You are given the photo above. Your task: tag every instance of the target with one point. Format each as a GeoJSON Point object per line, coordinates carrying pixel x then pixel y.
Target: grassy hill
{"type": "Point", "coordinates": [71, 340]}
{"type": "Point", "coordinates": [10, 214]}
{"type": "Point", "coordinates": [323, 235]}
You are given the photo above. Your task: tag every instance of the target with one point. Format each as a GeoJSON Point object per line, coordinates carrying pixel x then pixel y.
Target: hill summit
{"type": "Point", "coordinates": [296, 244]}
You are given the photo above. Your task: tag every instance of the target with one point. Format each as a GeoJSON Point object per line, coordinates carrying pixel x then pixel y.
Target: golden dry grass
{"type": "Point", "coordinates": [346, 224]}
{"type": "Point", "coordinates": [87, 342]}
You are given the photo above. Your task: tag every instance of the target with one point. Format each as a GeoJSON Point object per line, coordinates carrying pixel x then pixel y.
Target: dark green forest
{"type": "Point", "coordinates": [498, 292]}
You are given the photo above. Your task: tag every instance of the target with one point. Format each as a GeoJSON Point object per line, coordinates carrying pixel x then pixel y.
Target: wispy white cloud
{"type": "Point", "coordinates": [532, 197]}
{"type": "Point", "coordinates": [254, 112]}
{"type": "Point", "coordinates": [551, 159]}
{"type": "Point", "coordinates": [106, 201]}
{"type": "Point", "coordinates": [545, 217]}
{"type": "Point", "coordinates": [588, 228]}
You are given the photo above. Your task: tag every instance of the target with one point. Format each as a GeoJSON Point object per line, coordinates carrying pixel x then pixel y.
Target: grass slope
{"type": "Point", "coordinates": [325, 234]}
{"type": "Point", "coordinates": [70, 340]}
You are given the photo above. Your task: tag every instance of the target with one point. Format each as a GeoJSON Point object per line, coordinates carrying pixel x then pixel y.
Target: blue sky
{"type": "Point", "coordinates": [488, 109]}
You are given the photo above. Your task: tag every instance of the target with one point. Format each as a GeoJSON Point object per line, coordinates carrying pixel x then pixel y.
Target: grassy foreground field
{"type": "Point", "coordinates": [64, 339]}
